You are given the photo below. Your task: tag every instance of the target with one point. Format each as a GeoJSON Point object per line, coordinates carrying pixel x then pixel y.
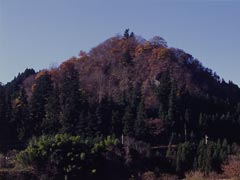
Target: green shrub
{"type": "Point", "coordinates": [63, 155]}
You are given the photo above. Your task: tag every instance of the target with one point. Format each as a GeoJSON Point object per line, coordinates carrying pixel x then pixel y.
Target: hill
{"type": "Point", "coordinates": [168, 111]}
{"type": "Point", "coordinates": [128, 67]}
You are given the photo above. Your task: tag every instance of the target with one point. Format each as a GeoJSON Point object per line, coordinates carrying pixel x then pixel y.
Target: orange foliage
{"type": "Point", "coordinates": [41, 73]}
{"type": "Point", "coordinates": [162, 53]}
{"type": "Point", "coordinates": [55, 75]}
{"type": "Point", "coordinates": [147, 46]}
{"type": "Point", "coordinates": [68, 64]}
{"type": "Point", "coordinates": [139, 50]}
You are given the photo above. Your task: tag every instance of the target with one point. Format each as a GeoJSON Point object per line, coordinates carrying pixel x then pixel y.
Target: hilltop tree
{"type": "Point", "coordinates": [126, 34]}
{"type": "Point", "coordinates": [158, 41]}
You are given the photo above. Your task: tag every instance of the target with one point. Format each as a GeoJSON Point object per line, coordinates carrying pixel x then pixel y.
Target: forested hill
{"type": "Point", "coordinates": [125, 71]}
{"type": "Point", "coordinates": [129, 62]}
{"type": "Point", "coordinates": [131, 87]}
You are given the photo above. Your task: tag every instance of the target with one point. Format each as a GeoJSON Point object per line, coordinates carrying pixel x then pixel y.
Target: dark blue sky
{"type": "Point", "coordinates": [42, 33]}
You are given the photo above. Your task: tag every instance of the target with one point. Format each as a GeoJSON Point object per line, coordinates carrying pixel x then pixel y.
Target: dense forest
{"type": "Point", "coordinates": [129, 109]}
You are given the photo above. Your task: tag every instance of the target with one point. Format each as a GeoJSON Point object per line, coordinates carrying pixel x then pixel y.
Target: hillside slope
{"type": "Point", "coordinates": [135, 104]}
{"type": "Point", "coordinates": [121, 63]}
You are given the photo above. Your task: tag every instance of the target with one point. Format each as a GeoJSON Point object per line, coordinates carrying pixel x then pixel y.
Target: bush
{"type": "Point", "coordinates": [68, 156]}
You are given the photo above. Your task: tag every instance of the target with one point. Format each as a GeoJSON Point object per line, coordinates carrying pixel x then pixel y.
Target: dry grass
{"type": "Point", "coordinates": [151, 176]}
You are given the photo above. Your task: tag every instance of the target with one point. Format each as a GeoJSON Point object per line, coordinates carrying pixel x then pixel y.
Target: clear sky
{"type": "Point", "coordinates": [41, 33]}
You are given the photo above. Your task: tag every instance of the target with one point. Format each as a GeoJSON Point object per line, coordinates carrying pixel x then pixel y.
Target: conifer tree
{"type": "Point", "coordinates": [3, 119]}
{"type": "Point", "coordinates": [171, 118]}
{"type": "Point", "coordinates": [140, 125]}
{"type": "Point", "coordinates": [42, 91]}
{"type": "Point", "coordinates": [127, 58]}
{"type": "Point", "coordinates": [103, 115]}
{"type": "Point", "coordinates": [116, 123]}
{"type": "Point", "coordinates": [82, 124]}
{"type": "Point", "coordinates": [70, 99]}
{"type": "Point", "coordinates": [51, 121]}
{"type": "Point", "coordinates": [20, 115]}
{"type": "Point", "coordinates": [126, 34]}
{"type": "Point", "coordinates": [91, 125]}
{"type": "Point", "coordinates": [128, 122]}
{"type": "Point", "coordinates": [163, 91]}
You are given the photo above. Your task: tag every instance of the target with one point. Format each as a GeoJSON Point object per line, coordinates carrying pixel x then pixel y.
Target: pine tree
{"type": "Point", "coordinates": [51, 124]}
{"type": "Point", "coordinates": [128, 122]}
{"type": "Point", "coordinates": [187, 116]}
{"type": "Point", "coordinates": [42, 91]}
{"type": "Point", "coordinates": [134, 96]}
{"type": "Point", "coordinates": [132, 35]}
{"type": "Point", "coordinates": [126, 34]}
{"type": "Point", "coordinates": [100, 118]}
{"type": "Point", "coordinates": [140, 125]}
{"type": "Point", "coordinates": [70, 99]}
{"type": "Point", "coordinates": [224, 150]}
{"type": "Point", "coordinates": [20, 115]}
{"type": "Point", "coordinates": [127, 58]}
{"type": "Point", "coordinates": [171, 118]}
{"type": "Point", "coordinates": [103, 115]}
{"type": "Point", "coordinates": [91, 125]}
{"type": "Point", "coordinates": [163, 91]}
{"type": "Point", "coordinates": [82, 124]}
{"type": "Point", "coordinates": [3, 120]}
{"type": "Point", "coordinates": [116, 123]}
{"type": "Point", "coordinates": [202, 123]}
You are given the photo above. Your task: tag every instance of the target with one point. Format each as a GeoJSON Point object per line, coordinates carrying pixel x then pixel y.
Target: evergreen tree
{"type": "Point", "coordinates": [122, 100]}
{"type": "Point", "coordinates": [126, 34]}
{"type": "Point", "coordinates": [132, 35]}
{"type": "Point", "coordinates": [216, 160]}
{"type": "Point", "coordinates": [116, 123]}
{"type": "Point", "coordinates": [163, 91]}
{"type": "Point", "coordinates": [103, 116]}
{"type": "Point", "coordinates": [3, 119]}
{"type": "Point", "coordinates": [224, 150]}
{"type": "Point", "coordinates": [42, 91]}
{"type": "Point", "coordinates": [184, 157]}
{"type": "Point", "coordinates": [127, 58]}
{"type": "Point", "coordinates": [134, 96]}
{"type": "Point", "coordinates": [140, 125]}
{"type": "Point", "coordinates": [92, 127]}
{"type": "Point", "coordinates": [187, 116]}
{"type": "Point", "coordinates": [202, 123]}
{"type": "Point", "coordinates": [20, 115]}
{"type": "Point", "coordinates": [51, 124]}
{"type": "Point", "coordinates": [70, 99]}
{"type": "Point", "coordinates": [82, 124]}
{"type": "Point", "coordinates": [128, 122]}
{"type": "Point", "coordinates": [172, 109]}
